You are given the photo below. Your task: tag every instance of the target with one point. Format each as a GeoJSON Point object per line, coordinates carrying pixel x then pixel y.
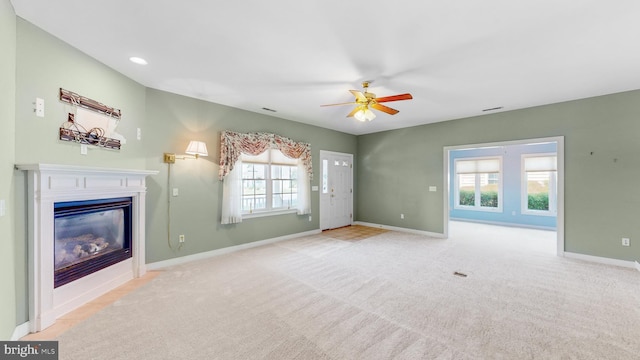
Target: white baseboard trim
{"type": "Point", "coordinates": [499, 223]}
{"type": "Point", "coordinates": [401, 229]}
{"type": "Point", "coordinates": [601, 260]}
{"type": "Point", "coordinates": [638, 266]}
{"type": "Point", "coordinates": [21, 331]}
{"type": "Point", "coordinates": [208, 254]}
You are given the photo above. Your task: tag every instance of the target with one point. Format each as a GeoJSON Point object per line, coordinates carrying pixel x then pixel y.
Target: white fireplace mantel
{"type": "Point", "coordinates": [48, 184]}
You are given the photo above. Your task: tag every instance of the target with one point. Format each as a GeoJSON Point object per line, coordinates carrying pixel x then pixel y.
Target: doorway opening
{"type": "Point", "coordinates": [512, 183]}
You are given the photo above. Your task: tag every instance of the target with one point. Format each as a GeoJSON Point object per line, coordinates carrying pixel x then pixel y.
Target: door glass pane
{"type": "Point", "coordinates": [538, 190]}
{"type": "Point", "coordinates": [467, 189]}
{"type": "Point", "coordinates": [325, 176]}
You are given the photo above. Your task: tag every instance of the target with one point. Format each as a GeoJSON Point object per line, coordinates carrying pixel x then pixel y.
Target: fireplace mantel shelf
{"type": "Point", "coordinates": [58, 168]}
{"type": "Point", "coordinates": [52, 183]}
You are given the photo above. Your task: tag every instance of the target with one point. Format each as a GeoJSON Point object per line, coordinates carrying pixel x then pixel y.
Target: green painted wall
{"type": "Point", "coordinates": [602, 199]}
{"type": "Point", "coordinates": [196, 211]}
{"type": "Point", "coordinates": [7, 153]}
{"type": "Point", "coordinates": [44, 65]}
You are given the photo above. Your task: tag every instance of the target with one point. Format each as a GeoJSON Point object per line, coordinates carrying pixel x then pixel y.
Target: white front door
{"type": "Point", "coordinates": [336, 193]}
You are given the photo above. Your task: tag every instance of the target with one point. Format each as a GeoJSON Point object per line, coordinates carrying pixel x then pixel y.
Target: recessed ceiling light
{"type": "Point", "coordinates": [138, 60]}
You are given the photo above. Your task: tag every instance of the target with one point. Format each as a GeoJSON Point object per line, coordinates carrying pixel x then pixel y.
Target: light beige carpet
{"type": "Point", "coordinates": [391, 296]}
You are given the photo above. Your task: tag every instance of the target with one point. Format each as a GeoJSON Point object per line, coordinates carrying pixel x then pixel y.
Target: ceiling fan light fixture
{"type": "Point", "coordinates": [362, 102]}
{"type": "Point", "coordinates": [364, 114]}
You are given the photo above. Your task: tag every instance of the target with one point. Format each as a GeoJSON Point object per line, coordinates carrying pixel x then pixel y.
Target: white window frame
{"type": "Point", "coordinates": [269, 211]}
{"type": "Point", "coordinates": [477, 207]}
{"type": "Point", "coordinates": [553, 188]}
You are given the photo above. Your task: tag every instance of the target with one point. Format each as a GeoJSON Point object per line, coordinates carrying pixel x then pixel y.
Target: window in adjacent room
{"type": "Point", "coordinates": [539, 184]}
{"type": "Point", "coordinates": [478, 184]}
{"type": "Point", "coordinates": [269, 182]}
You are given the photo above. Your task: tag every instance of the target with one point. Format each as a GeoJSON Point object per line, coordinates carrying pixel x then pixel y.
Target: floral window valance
{"type": "Point", "coordinates": [233, 144]}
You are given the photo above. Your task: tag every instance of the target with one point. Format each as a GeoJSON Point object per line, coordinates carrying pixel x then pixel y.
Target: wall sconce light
{"type": "Point", "coordinates": [195, 149]}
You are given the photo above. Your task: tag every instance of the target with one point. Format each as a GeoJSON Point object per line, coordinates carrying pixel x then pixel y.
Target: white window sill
{"type": "Point", "coordinates": [539, 213]}
{"type": "Point", "coordinates": [259, 214]}
{"type": "Point", "coordinates": [479, 208]}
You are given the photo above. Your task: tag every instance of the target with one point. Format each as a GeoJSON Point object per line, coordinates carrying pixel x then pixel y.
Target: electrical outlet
{"type": "Point", "coordinates": [139, 134]}
{"type": "Point", "coordinates": [625, 242]}
{"type": "Point", "coordinates": [401, 216]}
{"type": "Point", "coordinates": [181, 238]}
{"type": "Point", "coordinates": [309, 217]}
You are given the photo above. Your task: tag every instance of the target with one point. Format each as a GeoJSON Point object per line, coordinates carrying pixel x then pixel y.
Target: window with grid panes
{"type": "Point", "coordinates": [269, 182]}
{"type": "Point", "coordinates": [478, 184]}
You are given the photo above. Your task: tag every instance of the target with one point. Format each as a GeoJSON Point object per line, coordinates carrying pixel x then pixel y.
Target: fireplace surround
{"type": "Point", "coordinates": [51, 187]}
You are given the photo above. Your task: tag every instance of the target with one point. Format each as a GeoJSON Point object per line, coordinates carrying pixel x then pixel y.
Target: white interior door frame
{"type": "Point", "coordinates": [559, 140]}
{"type": "Point", "coordinates": [326, 210]}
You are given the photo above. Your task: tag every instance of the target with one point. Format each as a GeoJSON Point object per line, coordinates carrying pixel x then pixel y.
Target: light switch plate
{"type": "Point", "coordinates": [314, 188]}
{"type": "Point", "coordinates": [39, 107]}
{"type": "Point", "coordinates": [433, 188]}
{"type": "Point", "coordinates": [175, 191]}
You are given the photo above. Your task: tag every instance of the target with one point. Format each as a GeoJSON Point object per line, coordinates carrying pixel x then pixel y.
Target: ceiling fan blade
{"type": "Point", "coordinates": [395, 98]}
{"type": "Point", "coordinates": [386, 109]}
{"type": "Point", "coordinates": [347, 103]}
{"type": "Point", "coordinates": [359, 96]}
{"type": "Point", "coordinates": [354, 111]}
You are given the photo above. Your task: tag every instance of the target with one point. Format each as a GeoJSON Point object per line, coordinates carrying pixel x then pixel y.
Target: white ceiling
{"type": "Point", "coordinates": [455, 57]}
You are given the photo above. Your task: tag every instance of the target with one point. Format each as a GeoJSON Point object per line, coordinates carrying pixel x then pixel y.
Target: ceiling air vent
{"type": "Point", "coordinates": [492, 109]}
